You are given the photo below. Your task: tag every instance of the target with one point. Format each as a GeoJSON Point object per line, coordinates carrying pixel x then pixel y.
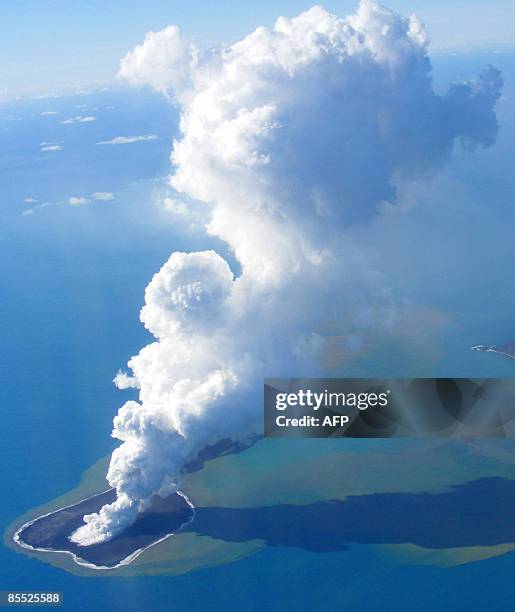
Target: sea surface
{"type": "Point", "coordinates": [73, 279]}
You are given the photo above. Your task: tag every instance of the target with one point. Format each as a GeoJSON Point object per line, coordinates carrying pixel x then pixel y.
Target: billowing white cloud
{"type": "Point", "coordinates": [77, 201]}
{"type": "Point", "coordinates": [187, 295]}
{"type": "Point", "coordinates": [297, 140]}
{"type": "Point", "coordinates": [165, 61]}
{"type": "Point", "coordinates": [79, 119]}
{"type": "Point", "coordinates": [120, 140]}
{"type": "Point", "coordinates": [104, 196]}
{"type": "Point", "coordinates": [123, 381]}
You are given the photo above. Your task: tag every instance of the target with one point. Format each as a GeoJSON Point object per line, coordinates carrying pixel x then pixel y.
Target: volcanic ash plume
{"type": "Point", "coordinates": [296, 139]}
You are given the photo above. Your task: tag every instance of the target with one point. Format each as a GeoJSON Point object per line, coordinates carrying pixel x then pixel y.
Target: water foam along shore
{"type": "Point", "coordinates": [50, 533]}
{"type": "Point", "coordinates": [507, 350]}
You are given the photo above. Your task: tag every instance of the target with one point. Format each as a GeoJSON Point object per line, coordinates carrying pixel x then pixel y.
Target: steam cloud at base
{"type": "Point", "coordinates": [296, 139]}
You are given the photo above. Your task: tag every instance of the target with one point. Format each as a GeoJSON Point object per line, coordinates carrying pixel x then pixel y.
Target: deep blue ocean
{"type": "Point", "coordinates": [73, 279]}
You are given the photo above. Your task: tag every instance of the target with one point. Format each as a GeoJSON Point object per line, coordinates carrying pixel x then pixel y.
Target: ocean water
{"type": "Point", "coordinates": [73, 279]}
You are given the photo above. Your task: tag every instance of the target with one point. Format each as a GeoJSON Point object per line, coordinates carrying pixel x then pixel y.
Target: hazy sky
{"type": "Point", "coordinates": [61, 44]}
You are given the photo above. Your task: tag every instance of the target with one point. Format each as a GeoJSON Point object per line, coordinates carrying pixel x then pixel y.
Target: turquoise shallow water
{"type": "Point", "coordinates": [73, 285]}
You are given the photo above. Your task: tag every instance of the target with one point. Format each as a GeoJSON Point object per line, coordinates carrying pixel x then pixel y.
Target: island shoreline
{"type": "Point", "coordinates": [18, 540]}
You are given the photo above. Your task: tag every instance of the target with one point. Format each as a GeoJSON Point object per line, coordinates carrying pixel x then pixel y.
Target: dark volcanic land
{"type": "Point", "coordinates": [51, 532]}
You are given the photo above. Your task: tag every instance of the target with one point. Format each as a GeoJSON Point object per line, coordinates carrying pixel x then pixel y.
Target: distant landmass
{"type": "Point", "coordinates": [507, 350]}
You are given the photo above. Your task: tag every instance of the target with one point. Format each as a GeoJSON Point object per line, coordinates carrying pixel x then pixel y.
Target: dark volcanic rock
{"type": "Point", "coordinates": [51, 532]}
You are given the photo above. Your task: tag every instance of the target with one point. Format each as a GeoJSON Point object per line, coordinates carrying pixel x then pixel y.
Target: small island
{"type": "Point", "coordinates": [51, 532]}
{"type": "Point", "coordinates": [163, 518]}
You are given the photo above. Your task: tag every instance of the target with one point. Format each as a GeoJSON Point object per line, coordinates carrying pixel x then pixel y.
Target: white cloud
{"type": "Point", "coordinates": [31, 211]}
{"type": "Point", "coordinates": [123, 381]}
{"type": "Point", "coordinates": [119, 140]}
{"type": "Point", "coordinates": [175, 206]}
{"type": "Point", "coordinates": [201, 283]}
{"type": "Point", "coordinates": [51, 146]}
{"type": "Point", "coordinates": [104, 196]}
{"type": "Point", "coordinates": [165, 61]}
{"type": "Point", "coordinates": [298, 139]}
{"type": "Point", "coordinates": [79, 119]}
{"type": "Point", "coordinates": [77, 201]}
{"type": "Point", "coordinates": [190, 214]}
{"type": "Point", "coordinates": [48, 113]}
